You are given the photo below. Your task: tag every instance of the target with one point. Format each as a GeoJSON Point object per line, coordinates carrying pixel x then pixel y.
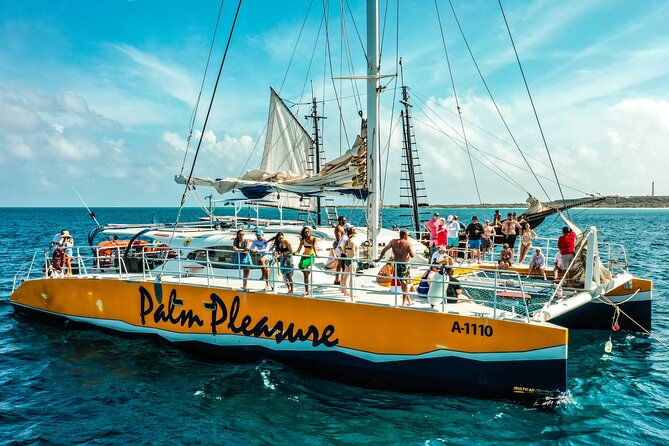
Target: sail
{"type": "Point", "coordinates": [285, 166]}
{"type": "Point", "coordinates": [287, 145]}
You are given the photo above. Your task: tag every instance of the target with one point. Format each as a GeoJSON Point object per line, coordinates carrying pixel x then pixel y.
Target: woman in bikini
{"type": "Point", "coordinates": [505, 257]}
{"type": "Point", "coordinates": [526, 244]}
{"type": "Point", "coordinates": [242, 257]}
{"type": "Point", "coordinates": [308, 242]}
{"type": "Point", "coordinates": [284, 253]}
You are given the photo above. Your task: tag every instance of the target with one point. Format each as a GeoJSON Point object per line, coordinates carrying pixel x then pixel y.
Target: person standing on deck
{"type": "Point", "coordinates": [432, 227]}
{"type": "Point", "coordinates": [350, 261]}
{"type": "Point", "coordinates": [567, 246]}
{"type": "Point", "coordinates": [497, 218]}
{"type": "Point", "coordinates": [242, 258]}
{"type": "Point", "coordinates": [261, 246]}
{"type": "Point", "coordinates": [402, 253]}
{"type": "Point", "coordinates": [453, 228]}
{"type": "Point", "coordinates": [308, 243]}
{"type": "Point", "coordinates": [487, 239]}
{"type": "Point", "coordinates": [474, 233]}
{"type": "Point", "coordinates": [442, 233]}
{"type": "Point", "coordinates": [338, 234]}
{"type": "Point", "coordinates": [510, 227]}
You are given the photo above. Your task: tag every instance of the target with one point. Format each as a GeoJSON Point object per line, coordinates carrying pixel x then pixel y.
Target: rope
{"type": "Point", "coordinates": [297, 42]}
{"type": "Point", "coordinates": [206, 120]}
{"type": "Point", "coordinates": [199, 95]}
{"type": "Point", "coordinates": [619, 310]}
{"type": "Point", "coordinates": [536, 115]}
{"type": "Point", "coordinates": [457, 103]}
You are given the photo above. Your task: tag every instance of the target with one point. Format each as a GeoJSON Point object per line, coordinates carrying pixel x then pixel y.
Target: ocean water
{"type": "Point", "coordinates": [65, 385]}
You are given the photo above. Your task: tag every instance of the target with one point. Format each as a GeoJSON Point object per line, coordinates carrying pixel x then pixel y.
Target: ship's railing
{"type": "Point", "coordinates": [496, 293]}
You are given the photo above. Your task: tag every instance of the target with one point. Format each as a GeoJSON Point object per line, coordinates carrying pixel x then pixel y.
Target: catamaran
{"type": "Point", "coordinates": [505, 335]}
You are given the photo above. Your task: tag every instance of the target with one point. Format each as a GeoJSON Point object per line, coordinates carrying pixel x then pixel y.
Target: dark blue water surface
{"type": "Point", "coordinates": [67, 385]}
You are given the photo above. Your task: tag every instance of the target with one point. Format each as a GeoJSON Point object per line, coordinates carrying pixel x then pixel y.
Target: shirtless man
{"type": "Point", "coordinates": [402, 253]}
{"type": "Point", "coordinates": [338, 233]}
{"type": "Point", "coordinates": [510, 227]}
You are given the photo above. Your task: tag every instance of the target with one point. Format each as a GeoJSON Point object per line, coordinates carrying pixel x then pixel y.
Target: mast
{"type": "Point", "coordinates": [373, 141]}
{"type": "Point", "coordinates": [317, 150]}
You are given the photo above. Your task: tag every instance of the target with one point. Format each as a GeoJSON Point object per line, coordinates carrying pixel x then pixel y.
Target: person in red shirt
{"type": "Point", "coordinates": [567, 246]}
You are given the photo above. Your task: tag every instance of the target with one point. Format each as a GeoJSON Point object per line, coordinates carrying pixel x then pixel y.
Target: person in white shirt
{"type": "Point", "coordinates": [441, 257]}
{"type": "Point", "coordinates": [453, 228]}
{"type": "Point", "coordinates": [262, 246]}
{"type": "Point", "coordinates": [538, 262]}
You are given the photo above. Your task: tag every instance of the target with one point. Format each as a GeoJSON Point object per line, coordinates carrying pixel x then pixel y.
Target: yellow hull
{"type": "Point", "coordinates": [386, 344]}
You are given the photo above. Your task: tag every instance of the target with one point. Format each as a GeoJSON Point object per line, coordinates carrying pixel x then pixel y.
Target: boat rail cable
{"type": "Point", "coordinates": [499, 112]}
{"type": "Point", "coordinates": [206, 119]}
{"type": "Point", "coordinates": [193, 115]}
{"type": "Point", "coordinates": [534, 109]}
{"type": "Point", "coordinates": [423, 99]}
{"type": "Point", "coordinates": [457, 101]}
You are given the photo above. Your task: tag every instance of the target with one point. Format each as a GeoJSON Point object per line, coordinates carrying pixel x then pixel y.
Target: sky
{"type": "Point", "coordinates": [98, 96]}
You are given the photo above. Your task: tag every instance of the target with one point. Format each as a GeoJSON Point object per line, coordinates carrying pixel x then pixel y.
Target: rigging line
{"type": "Point", "coordinates": [297, 42]}
{"type": "Point", "coordinates": [383, 31]}
{"type": "Point", "coordinates": [534, 109]}
{"type": "Point", "coordinates": [332, 77]}
{"type": "Point", "coordinates": [397, 61]}
{"type": "Point", "coordinates": [364, 51]}
{"type": "Point", "coordinates": [481, 150]}
{"type": "Point", "coordinates": [499, 112]}
{"type": "Point", "coordinates": [313, 52]}
{"type": "Point", "coordinates": [199, 95]}
{"type": "Point", "coordinates": [457, 102]}
{"type": "Point", "coordinates": [508, 178]}
{"type": "Point", "coordinates": [485, 153]}
{"type": "Point", "coordinates": [349, 60]}
{"type": "Point", "coordinates": [503, 141]}
{"type": "Point", "coordinates": [311, 60]}
{"type": "Point", "coordinates": [206, 119]}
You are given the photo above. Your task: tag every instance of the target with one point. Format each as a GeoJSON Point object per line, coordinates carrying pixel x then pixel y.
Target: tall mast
{"type": "Point", "coordinates": [373, 140]}
{"type": "Point", "coordinates": [317, 149]}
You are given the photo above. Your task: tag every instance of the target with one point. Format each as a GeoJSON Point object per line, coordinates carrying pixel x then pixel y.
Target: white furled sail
{"type": "Point", "coordinates": [284, 167]}
{"type": "Point", "coordinates": [287, 145]}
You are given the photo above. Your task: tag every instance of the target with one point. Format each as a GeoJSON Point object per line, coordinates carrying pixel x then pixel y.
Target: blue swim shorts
{"type": "Point", "coordinates": [453, 241]}
{"type": "Point", "coordinates": [475, 244]}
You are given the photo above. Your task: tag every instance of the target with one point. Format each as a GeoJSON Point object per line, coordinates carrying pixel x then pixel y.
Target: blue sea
{"type": "Point", "coordinates": [68, 385]}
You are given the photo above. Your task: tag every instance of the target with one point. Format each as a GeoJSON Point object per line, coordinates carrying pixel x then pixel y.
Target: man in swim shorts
{"type": "Point", "coordinates": [402, 253]}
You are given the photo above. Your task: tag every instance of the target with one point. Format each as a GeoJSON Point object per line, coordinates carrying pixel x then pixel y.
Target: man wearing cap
{"type": "Point", "coordinates": [474, 232]}
{"type": "Point", "coordinates": [441, 257]}
{"type": "Point", "coordinates": [261, 246]}
{"type": "Point", "coordinates": [433, 227]}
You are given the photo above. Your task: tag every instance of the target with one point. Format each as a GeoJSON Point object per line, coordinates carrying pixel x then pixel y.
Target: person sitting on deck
{"type": "Point", "coordinates": [505, 257]}
{"type": "Point", "coordinates": [402, 252]}
{"type": "Point", "coordinates": [537, 262]}
{"type": "Point", "coordinates": [58, 261]}
{"type": "Point", "coordinates": [426, 280]}
{"type": "Point", "coordinates": [261, 246]}
{"type": "Point", "coordinates": [454, 290]}
{"type": "Point", "coordinates": [441, 257]}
